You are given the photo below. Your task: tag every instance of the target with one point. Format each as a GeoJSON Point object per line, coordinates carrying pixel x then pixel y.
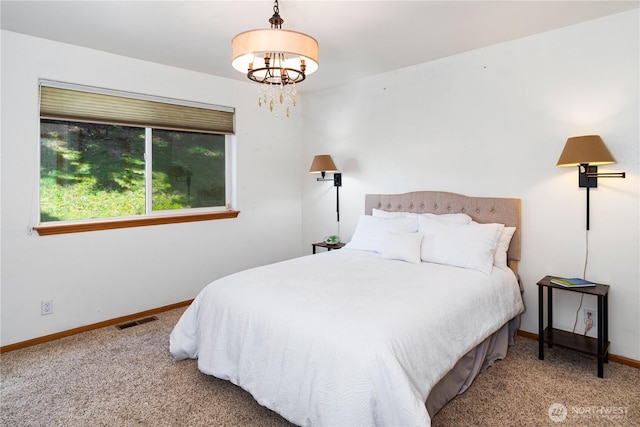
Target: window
{"type": "Point", "coordinates": [112, 157]}
{"type": "Point", "coordinates": [188, 170]}
{"type": "Point", "coordinates": [90, 171]}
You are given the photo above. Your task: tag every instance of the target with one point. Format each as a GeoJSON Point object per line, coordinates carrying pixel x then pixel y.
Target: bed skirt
{"type": "Point", "coordinates": [458, 379]}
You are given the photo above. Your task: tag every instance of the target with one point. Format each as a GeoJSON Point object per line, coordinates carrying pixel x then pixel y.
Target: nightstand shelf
{"type": "Point", "coordinates": [573, 341]}
{"type": "Point", "coordinates": [598, 347]}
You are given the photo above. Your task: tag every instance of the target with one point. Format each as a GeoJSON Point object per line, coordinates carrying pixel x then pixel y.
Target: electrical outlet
{"type": "Point", "coordinates": [590, 313]}
{"type": "Point", "coordinates": [46, 307]}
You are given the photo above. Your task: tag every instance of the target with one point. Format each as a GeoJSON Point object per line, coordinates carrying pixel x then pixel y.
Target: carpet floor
{"type": "Point", "coordinates": [112, 377]}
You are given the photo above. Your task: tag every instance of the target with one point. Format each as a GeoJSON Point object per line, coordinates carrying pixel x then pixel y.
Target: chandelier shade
{"type": "Point", "coordinates": [295, 53]}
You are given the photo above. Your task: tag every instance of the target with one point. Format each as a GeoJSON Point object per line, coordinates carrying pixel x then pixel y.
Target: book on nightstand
{"type": "Point", "coordinates": [573, 282]}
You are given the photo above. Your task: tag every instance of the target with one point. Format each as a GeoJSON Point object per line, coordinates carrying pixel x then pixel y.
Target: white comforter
{"type": "Point", "coordinates": [343, 338]}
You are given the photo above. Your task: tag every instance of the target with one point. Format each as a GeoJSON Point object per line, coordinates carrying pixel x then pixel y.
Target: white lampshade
{"type": "Point", "coordinates": [250, 47]}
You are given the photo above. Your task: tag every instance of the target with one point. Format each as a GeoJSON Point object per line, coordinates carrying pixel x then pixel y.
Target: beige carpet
{"type": "Point", "coordinates": [112, 377]}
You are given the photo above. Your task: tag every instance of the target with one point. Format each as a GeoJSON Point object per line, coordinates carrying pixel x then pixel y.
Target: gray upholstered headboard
{"type": "Point", "coordinates": [480, 209]}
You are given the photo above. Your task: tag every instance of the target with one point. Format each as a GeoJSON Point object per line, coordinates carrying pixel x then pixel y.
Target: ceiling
{"type": "Point", "coordinates": [356, 38]}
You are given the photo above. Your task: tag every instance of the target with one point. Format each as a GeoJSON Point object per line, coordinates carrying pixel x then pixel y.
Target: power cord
{"type": "Point", "coordinates": [577, 312]}
{"type": "Point", "coordinates": [584, 275]}
{"type": "Point", "coordinates": [589, 324]}
{"type": "Point", "coordinates": [586, 255]}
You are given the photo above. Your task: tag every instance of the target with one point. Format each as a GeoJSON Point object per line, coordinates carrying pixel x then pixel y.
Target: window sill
{"type": "Point", "coordinates": [47, 230]}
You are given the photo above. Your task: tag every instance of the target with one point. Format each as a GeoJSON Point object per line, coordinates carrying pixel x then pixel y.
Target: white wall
{"type": "Point", "coordinates": [97, 276]}
{"type": "Point", "coordinates": [492, 122]}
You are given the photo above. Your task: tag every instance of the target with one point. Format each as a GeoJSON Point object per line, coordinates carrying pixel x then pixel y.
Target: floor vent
{"type": "Point", "coordinates": [136, 322]}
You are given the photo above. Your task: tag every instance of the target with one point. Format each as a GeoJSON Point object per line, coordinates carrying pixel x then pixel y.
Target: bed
{"type": "Point", "coordinates": [384, 331]}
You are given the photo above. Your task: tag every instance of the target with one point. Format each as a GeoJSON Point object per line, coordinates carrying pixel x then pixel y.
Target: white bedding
{"type": "Point", "coordinates": [344, 338]}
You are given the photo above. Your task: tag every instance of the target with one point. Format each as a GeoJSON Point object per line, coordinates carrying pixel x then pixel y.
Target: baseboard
{"type": "Point", "coordinates": [526, 334]}
{"type": "Point", "coordinates": [612, 357]}
{"type": "Point", "coordinates": [23, 344]}
{"type": "Point", "coordinates": [75, 331]}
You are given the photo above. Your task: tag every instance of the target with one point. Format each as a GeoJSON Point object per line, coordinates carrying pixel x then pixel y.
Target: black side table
{"type": "Point", "coordinates": [326, 245]}
{"type": "Point", "coordinates": [598, 347]}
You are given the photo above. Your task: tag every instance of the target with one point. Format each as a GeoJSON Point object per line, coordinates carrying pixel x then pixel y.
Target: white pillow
{"type": "Point", "coordinates": [500, 258]}
{"type": "Point", "coordinates": [402, 246]}
{"type": "Point", "coordinates": [371, 231]}
{"type": "Point", "coordinates": [470, 246]}
{"type": "Point", "coordinates": [386, 214]}
{"type": "Point", "coordinates": [456, 218]}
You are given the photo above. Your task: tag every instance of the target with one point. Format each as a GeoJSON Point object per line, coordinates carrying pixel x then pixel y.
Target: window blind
{"type": "Point", "coordinates": [64, 103]}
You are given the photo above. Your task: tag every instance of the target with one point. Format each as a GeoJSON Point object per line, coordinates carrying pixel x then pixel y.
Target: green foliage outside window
{"type": "Point", "coordinates": [188, 170]}
{"type": "Point", "coordinates": [91, 171]}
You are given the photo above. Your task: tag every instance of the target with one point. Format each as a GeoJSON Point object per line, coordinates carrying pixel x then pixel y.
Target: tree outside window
{"type": "Point", "coordinates": [94, 171]}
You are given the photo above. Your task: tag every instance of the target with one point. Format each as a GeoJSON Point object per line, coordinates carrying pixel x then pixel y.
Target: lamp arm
{"type": "Point", "coordinates": [606, 174]}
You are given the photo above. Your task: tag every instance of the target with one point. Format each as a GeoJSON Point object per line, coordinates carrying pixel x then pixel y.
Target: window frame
{"type": "Point", "coordinates": [150, 217]}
